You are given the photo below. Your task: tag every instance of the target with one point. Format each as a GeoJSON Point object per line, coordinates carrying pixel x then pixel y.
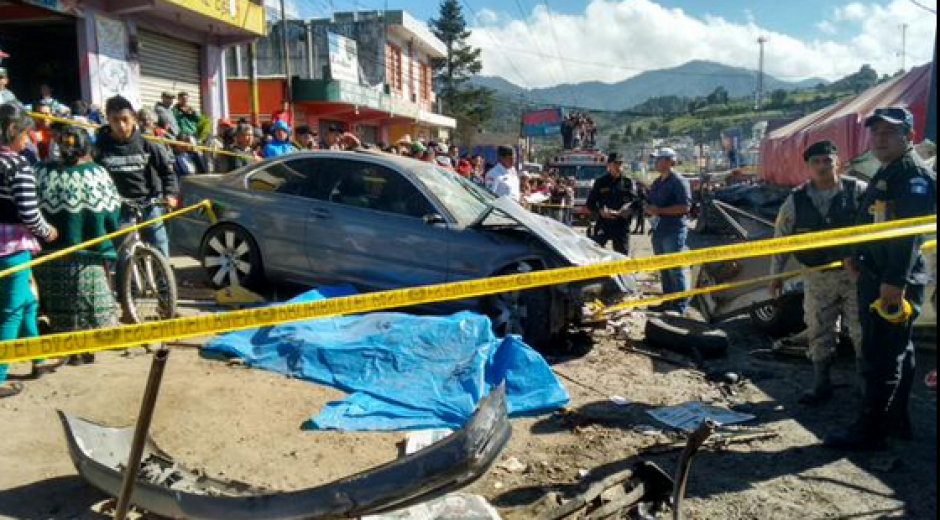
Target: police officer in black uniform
{"type": "Point", "coordinates": [892, 279]}
{"type": "Point", "coordinates": [610, 202]}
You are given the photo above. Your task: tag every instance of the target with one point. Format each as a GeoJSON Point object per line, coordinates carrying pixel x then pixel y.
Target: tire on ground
{"type": "Point", "coordinates": [781, 318]}
{"type": "Point", "coordinates": [687, 337]}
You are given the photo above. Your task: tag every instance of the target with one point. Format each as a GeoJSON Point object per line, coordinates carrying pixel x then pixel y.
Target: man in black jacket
{"type": "Point", "coordinates": [611, 201]}
{"type": "Point", "coordinates": [892, 280]}
{"type": "Point", "coordinates": [139, 169]}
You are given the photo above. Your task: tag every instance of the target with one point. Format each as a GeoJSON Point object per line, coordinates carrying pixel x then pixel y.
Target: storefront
{"type": "Point", "coordinates": [95, 49]}
{"type": "Point", "coordinates": [368, 72]}
{"type": "Point", "coordinates": [43, 47]}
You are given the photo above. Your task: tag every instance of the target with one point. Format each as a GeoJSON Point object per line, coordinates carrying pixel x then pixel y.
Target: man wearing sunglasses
{"type": "Point", "coordinates": [828, 201]}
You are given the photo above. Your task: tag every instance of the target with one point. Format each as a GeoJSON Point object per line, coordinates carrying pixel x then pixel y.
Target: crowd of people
{"type": "Point", "coordinates": [579, 131]}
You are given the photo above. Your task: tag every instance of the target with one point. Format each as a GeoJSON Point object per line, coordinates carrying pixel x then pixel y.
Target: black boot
{"type": "Point", "coordinates": [822, 386]}
{"type": "Point", "coordinates": [902, 429]}
{"type": "Point", "coordinates": [865, 435]}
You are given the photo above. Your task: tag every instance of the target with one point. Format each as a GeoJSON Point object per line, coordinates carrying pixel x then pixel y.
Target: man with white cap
{"type": "Point", "coordinates": [670, 202]}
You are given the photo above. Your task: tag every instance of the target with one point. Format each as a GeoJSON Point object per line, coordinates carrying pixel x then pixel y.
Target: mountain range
{"type": "Point", "coordinates": [694, 79]}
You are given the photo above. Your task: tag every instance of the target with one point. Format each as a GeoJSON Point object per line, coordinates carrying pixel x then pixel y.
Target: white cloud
{"type": "Point", "coordinates": [855, 11]}
{"type": "Point", "coordinates": [616, 39]}
{"type": "Point", "coordinates": [828, 28]}
{"type": "Point", "coordinates": [487, 16]}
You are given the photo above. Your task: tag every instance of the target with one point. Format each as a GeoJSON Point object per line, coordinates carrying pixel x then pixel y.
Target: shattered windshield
{"type": "Point", "coordinates": [464, 199]}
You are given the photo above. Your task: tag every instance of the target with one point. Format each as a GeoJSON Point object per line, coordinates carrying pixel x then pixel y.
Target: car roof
{"type": "Point", "coordinates": [401, 163]}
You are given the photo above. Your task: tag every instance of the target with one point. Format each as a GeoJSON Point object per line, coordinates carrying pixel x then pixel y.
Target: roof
{"type": "Point", "coordinates": [843, 123]}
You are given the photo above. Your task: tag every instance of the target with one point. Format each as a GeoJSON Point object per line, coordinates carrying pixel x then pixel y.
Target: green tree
{"type": "Point", "coordinates": [719, 96]}
{"type": "Point", "coordinates": [778, 98]}
{"type": "Point", "coordinates": [628, 135]}
{"type": "Point", "coordinates": [452, 74]}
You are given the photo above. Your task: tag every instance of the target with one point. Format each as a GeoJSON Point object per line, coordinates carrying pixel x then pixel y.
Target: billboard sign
{"type": "Point", "coordinates": [344, 59]}
{"type": "Point", "coordinates": [543, 123]}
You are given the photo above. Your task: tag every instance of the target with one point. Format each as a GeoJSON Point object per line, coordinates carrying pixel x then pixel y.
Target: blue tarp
{"type": "Point", "coordinates": [402, 372]}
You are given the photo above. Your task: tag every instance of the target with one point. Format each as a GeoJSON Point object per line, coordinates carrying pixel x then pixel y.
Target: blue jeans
{"type": "Point", "coordinates": [157, 235]}
{"type": "Point", "coordinates": [18, 305]}
{"type": "Point", "coordinates": [674, 280]}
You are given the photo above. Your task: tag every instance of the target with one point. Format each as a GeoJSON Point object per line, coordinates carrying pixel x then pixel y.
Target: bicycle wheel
{"type": "Point", "coordinates": [148, 290]}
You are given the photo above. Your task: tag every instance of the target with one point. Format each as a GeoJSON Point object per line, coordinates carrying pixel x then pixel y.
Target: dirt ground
{"type": "Point", "coordinates": [246, 425]}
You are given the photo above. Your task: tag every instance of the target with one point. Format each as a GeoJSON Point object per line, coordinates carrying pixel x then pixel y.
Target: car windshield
{"type": "Point", "coordinates": [466, 201]}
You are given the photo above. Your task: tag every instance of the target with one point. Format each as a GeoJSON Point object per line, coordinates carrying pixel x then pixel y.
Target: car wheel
{"type": "Point", "coordinates": [780, 318]}
{"type": "Point", "coordinates": [524, 313]}
{"type": "Point", "coordinates": [231, 256]}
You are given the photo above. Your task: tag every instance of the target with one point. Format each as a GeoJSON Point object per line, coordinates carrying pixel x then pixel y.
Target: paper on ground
{"type": "Point", "coordinates": [451, 507]}
{"type": "Point", "coordinates": [688, 417]}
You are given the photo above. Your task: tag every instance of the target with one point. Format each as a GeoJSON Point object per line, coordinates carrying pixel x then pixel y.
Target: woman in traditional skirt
{"type": "Point", "coordinates": [80, 199]}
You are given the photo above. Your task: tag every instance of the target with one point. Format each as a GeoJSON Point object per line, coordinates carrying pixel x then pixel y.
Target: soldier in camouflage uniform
{"type": "Point", "coordinates": [829, 201]}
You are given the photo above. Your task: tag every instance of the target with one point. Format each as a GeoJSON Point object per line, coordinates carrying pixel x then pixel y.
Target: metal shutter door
{"type": "Point", "coordinates": [169, 65]}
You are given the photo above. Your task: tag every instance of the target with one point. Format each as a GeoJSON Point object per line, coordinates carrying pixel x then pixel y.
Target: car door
{"type": "Point", "coordinates": [280, 205]}
{"type": "Point", "coordinates": [370, 228]}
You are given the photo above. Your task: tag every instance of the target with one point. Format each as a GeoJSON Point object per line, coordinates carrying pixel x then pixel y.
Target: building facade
{"type": "Point", "coordinates": [370, 72]}
{"type": "Point", "coordinates": [95, 49]}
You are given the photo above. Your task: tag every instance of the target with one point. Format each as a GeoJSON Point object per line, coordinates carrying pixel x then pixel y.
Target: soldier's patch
{"type": "Point", "coordinates": [920, 186]}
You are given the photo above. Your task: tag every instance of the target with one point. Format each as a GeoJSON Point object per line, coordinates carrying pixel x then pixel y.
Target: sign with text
{"type": "Point", "coordinates": [543, 123]}
{"type": "Point", "coordinates": [239, 13]}
{"type": "Point", "coordinates": [344, 59]}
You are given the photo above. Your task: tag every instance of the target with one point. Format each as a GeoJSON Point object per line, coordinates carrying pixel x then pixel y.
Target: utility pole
{"type": "Point", "coordinates": [762, 41]}
{"type": "Point", "coordinates": [904, 28]}
{"type": "Point", "coordinates": [289, 87]}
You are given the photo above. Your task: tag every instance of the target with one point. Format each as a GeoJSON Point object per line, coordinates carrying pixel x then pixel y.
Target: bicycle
{"type": "Point", "coordinates": [146, 283]}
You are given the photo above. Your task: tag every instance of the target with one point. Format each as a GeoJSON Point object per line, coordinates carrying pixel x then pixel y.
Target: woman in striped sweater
{"type": "Point", "coordinates": [21, 227]}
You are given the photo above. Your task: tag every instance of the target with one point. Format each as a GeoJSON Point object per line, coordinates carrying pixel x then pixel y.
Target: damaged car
{"type": "Point", "coordinates": [381, 222]}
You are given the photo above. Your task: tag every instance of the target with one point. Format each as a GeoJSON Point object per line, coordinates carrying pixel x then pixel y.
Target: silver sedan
{"type": "Point", "coordinates": [380, 222]}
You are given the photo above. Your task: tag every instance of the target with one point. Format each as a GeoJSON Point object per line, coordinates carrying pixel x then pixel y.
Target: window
{"type": "Point", "coordinates": [377, 188]}
{"type": "Point", "coordinates": [394, 69]}
{"type": "Point", "coordinates": [299, 177]}
{"type": "Point", "coordinates": [426, 83]}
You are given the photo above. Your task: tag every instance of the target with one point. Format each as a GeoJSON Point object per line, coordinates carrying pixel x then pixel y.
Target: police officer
{"type": "Point", "coordinates": [610, 201]}
{"type": "Point", "coordinates": [892, 279]}
{"type": "Point", "coordinates": [829, 201]}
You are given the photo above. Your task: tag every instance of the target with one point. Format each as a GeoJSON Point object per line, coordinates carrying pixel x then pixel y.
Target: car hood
{"type": "Point", "coordinates": [569, 244]}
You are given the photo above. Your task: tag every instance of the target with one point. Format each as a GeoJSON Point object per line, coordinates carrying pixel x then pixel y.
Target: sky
{"type": "Point", "coordinates": [540, 43]}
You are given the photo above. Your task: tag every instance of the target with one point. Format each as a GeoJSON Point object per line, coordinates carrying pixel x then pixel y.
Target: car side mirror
{"type": "Point", "coordinates": [434, 219]}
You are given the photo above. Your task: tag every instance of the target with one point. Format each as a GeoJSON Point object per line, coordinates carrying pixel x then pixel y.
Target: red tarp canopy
{"type": "Point", "coordinates": [844, 124]}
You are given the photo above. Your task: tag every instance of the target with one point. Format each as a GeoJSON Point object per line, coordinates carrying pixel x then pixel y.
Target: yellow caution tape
{"type": "Point", "coordinates": [116, 338]}
{"type": "Point", "coordinates": [713, 289]}
{"type": "Point", "coordinates": [169, 142]}
{"type": "Point", "coordinates": [206, 205]}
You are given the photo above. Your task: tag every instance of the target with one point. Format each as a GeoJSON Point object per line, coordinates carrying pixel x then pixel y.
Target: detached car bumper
{"type": "Point", "coordinates": [169, 490]}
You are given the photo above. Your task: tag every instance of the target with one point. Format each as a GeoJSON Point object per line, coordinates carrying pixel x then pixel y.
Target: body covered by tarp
{"type": "Point", "coordinates": [844, 124]}
{"type": "Point", "coordinates": [403, 372]}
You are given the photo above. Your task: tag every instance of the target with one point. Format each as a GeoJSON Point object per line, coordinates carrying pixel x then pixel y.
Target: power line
{"type": "Point", "coordinates": [924, 7]}
{"type": "Point", "coordinates": [525, 22]}
{"type": "Point", "coordinates": [512, 63]}
{"type": "Point", "coordinates": [564, 66]}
